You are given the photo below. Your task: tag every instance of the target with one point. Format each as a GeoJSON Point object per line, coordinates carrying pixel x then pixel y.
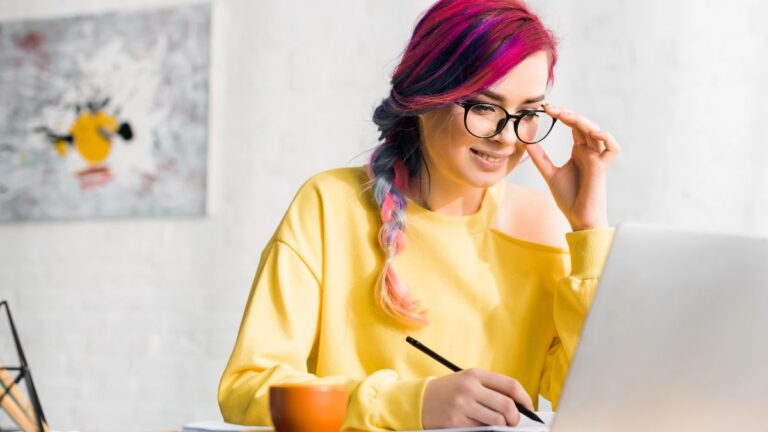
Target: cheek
{"type": "Point", "coordinates": [446, 133]}
{"type": "Point", "coordinates": [459, 137]}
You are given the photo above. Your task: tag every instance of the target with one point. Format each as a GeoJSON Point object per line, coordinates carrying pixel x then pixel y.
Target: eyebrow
{"type": "Point", "coordinates": [500, 98]}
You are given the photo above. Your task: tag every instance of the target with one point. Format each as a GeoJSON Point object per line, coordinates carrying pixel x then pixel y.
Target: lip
{"type": "Point", "coordinates": [492, 154]}
{"type": "Point", "coordinates": [487, 165]}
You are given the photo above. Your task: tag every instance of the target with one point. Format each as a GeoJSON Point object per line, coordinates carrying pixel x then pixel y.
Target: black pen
{"type": "Point", "coordinates": [421, 347]}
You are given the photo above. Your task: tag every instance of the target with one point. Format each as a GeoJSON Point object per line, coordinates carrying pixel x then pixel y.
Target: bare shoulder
{"type": "Point", "coordinates": [532, 215]}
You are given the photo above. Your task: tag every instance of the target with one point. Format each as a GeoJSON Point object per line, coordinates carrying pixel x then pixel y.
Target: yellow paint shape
{"type": "Point", "coordinates": [61, 147]}
{"type": "Point", "coordinates": [92, 133]}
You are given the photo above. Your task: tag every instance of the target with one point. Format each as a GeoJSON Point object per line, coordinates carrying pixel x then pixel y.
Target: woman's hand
{"type": "Point", "coordinates": [473, 397]}
{"type": "Point", "coordinates": [579, 186]}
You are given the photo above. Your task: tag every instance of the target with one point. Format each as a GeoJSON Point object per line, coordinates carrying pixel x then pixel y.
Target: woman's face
{"type": "Point", "coordinates": [455, 156]}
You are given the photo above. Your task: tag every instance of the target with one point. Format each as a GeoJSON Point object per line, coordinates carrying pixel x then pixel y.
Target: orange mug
{"type": "Point", "coordinates": [307, 407]}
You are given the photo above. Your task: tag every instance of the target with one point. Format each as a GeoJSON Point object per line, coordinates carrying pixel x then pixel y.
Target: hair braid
{"type": "Point", "coordinates": [390, 178]}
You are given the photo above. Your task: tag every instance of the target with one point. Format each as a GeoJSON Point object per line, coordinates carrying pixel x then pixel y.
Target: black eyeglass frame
{"type": "Point", "coordinates": [468, 105]}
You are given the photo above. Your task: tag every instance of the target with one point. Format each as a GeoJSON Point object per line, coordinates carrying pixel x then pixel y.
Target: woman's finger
{"type": "Point", "coordinates": [541, 160]}
{"type": "Point", "coordinates": [581, 127]}
{"type": "Point", "coordinates": [506, 386]}
{"type": "Point", "coordinates": [612, 148]}
{"type": "Point", "coordinates": [486, 416]}
{"type": "Point", "coordinates": [585, 128]}
{"type": "Point", "coordinates": [501, 404]}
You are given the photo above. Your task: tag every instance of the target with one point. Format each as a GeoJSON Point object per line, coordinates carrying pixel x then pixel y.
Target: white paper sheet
{"type": "Point", "coordinates": [218, 426]}
{"type": "Point", "coordinates": [525, 425]}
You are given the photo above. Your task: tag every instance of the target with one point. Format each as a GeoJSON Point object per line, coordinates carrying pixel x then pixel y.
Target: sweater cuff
{"type": "Point", "coordinates": [589, 250]}
{"type": "Point", "coordinates": [403, 402]}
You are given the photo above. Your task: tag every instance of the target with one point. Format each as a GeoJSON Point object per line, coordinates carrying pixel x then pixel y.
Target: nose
{"type": "Point", "coordinates": [507, 135]}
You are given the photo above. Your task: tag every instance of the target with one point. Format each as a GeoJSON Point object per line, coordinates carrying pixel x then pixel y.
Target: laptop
{"type": "Point", "coordinates": [676, 338]}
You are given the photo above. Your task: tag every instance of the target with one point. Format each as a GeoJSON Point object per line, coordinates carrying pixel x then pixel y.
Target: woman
{"type": "Point", "coordinates": [429, 241]}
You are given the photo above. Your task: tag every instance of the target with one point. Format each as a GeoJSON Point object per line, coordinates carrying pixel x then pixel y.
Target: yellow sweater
{"type": "Point", "coordinates": [494, 302]}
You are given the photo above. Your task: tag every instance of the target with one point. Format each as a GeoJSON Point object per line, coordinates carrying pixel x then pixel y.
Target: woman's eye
{"type": "Point", "coordinates": [482, 108]}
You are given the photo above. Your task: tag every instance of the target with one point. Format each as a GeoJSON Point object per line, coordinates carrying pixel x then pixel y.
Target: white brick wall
{"type": "Point", "coordinates": [128, 323]}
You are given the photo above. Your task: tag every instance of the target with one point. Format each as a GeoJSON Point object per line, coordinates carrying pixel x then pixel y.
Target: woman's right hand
{"type": "Point", "coordinates": [473, 397]}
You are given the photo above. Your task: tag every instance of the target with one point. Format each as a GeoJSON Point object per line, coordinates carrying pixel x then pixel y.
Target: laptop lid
{"type": "Point", "coordinates": [676, 338]}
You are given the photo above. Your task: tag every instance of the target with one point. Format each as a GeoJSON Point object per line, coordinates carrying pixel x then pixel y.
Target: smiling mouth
{"type": "Point", "coordinates": [488, 157]}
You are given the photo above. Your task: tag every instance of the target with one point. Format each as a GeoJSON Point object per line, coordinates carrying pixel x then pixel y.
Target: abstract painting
{"type": "Point", "coordinates": [105, 115]}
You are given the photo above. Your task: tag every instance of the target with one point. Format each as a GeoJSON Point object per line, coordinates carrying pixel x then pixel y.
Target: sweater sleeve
{"type": "Point", "coordinates": [277, 341]}
{"type": "Point", "coordinates": [572, 299]}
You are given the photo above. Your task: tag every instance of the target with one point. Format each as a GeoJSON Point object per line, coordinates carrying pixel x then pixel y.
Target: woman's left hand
{"type": "Point", "coordinates": [579, 185]}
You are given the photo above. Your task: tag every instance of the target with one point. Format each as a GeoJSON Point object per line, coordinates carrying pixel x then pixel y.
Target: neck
{"type": "Point", "coordinates": [443, 196]}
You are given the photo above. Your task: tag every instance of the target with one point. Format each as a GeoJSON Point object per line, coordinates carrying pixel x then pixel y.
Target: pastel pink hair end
{"type": "Point", "coordinates": [397, 302]}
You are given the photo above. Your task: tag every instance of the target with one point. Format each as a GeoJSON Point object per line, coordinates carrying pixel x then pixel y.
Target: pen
{"type": "Point", "coordinates": [421, 347]}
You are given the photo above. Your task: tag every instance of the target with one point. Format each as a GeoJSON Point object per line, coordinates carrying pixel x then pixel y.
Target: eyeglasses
{"type": "Point", "coordinates": [486, 120]}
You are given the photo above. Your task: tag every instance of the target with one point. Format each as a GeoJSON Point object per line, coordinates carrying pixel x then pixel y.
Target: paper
{"type": "Point", "coordinates": [218, 426]}
{"type": "Point", "coordinates": [526, 425]}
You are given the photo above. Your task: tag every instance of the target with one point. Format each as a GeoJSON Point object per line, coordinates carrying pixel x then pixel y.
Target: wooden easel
{"type": "Point", "coordinates": [25, 412]}
{"type": "Point", "coordinates": [16, 404]}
